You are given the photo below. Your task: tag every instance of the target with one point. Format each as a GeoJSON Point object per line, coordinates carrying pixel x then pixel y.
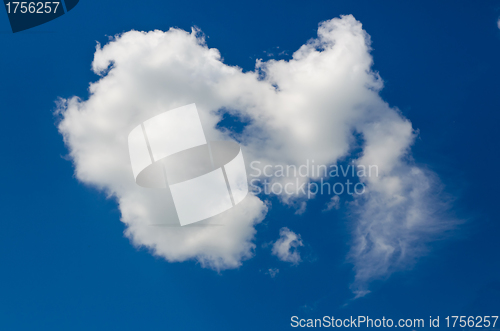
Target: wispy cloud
{"type": "Point", "coordinates": [334, 203]}
{"type": "Point", "coordinates": [273, 272]}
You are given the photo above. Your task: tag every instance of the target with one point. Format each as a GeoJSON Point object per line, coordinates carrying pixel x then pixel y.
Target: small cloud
{"type": "Point", "coordinates": [360, 293]}
{"type": "Point", "coordinates": [302, 208]}
{"type": "Point", "coordinates": [286, 247]}
{"type": "Point", "coordinates": [309, 308]}
{"type": "Point", "coordinates": [273, 272]}
{"type": "Point", "coordinates": [334, 203]}
{"type": "Point", "coordinates": [498, 23]}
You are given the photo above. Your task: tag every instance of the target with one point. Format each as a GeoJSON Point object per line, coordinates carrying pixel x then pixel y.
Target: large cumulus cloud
{"type": "Point", "coordinates": [317, 105]}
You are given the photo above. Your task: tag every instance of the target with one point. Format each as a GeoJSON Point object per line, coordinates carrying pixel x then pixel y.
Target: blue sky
{"type": "Point", "coordinates": [67, 264]}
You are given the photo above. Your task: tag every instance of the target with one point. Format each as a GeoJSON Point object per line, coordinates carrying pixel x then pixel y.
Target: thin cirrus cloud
{"type": "Point", "coordinates": [313, 106]}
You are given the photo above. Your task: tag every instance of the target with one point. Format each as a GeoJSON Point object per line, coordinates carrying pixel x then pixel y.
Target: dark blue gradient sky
{"type": "Point", "coordinates": [66, 265]}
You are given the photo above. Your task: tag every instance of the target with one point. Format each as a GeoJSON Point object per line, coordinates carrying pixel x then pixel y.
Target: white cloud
{"type": "Point", "coordinates": [334, 203]}
{"type": "Point", "coordinates": [302, 208]}
{"type": "Point", "coordinates": [286, 247]}
{"type": "Point", "coordinates": [314, 106]}
{"type": "Point", "coordinates": [498, 23]}
{"type": "Point", "coordinates": [273, 272]}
